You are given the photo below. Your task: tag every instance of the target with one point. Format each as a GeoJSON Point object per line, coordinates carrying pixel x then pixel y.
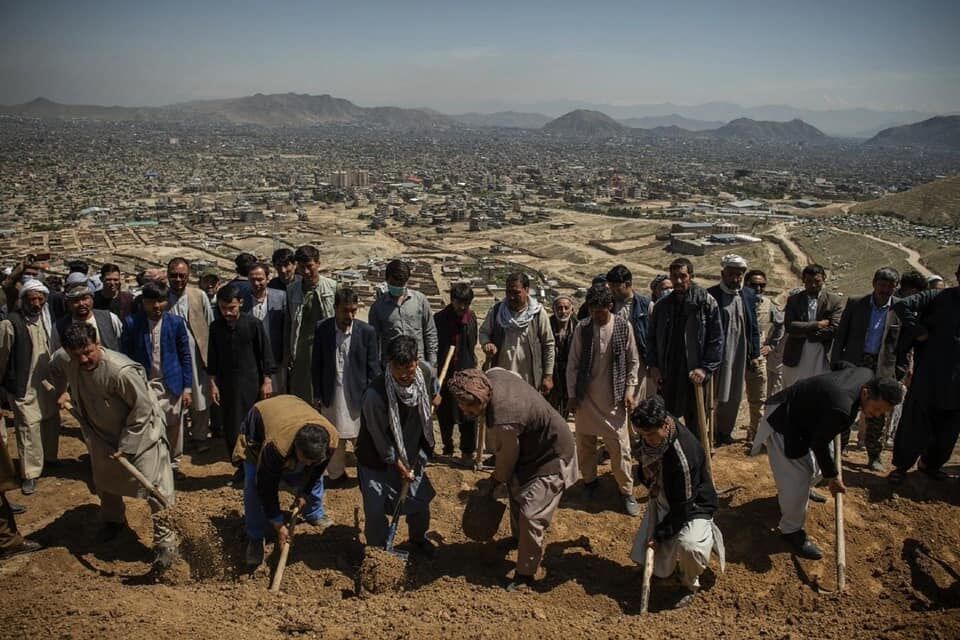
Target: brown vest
{"type": "Point", "coordinates": [545, 439]}
{"type": "Point", "coordinates": [284, 416]}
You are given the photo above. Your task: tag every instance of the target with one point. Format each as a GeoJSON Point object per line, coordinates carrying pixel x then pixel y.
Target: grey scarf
{"type": "Point", "coordinates": [414, 395]}
{"type": "Point", "coordinates": [505, 319]}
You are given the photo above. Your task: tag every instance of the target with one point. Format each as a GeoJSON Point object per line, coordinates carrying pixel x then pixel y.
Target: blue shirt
{"type": "Point", "coordinates": [878, 320]}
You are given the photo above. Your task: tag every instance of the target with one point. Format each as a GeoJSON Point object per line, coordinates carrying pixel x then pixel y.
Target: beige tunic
{"type": "Point", "coordinates": [599, 413]}
{"type": "Point", "coordinates": [117, 411]}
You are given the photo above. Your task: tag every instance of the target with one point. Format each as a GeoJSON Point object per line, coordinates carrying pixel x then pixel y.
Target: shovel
{"type": "Point", "coordinates": [704, 435]}
{"type": "Point", "coordinates": [648, 553]}
{"type": "Point", "coordinates": [841, 543]}
{"type": "Point", "coordinates": [284, 553]}
{"type": "Point", "coordinates": [405, 488]}
{"type": "Point", "coordinates": [126, 464]}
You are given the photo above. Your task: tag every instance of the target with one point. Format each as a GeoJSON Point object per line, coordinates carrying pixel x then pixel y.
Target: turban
{"type": "Point", "coordinates": [733, 260]}
{"type": "Point", "coordinates": [33, 285]}
{"type": "Point", "coordinates": [470, 385]}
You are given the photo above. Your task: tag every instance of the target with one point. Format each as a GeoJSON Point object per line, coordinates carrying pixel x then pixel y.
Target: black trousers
{"type": "Point", "coordinates": [448, 415]}
{"type": "Point", "coordinates": [925, 432]}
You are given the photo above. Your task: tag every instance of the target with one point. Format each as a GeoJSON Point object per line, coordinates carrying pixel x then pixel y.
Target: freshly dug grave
{"type": "Point", "coordinates": [903, 562]}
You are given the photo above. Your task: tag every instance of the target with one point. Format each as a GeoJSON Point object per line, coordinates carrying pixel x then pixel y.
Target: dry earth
{"type": "Point", "coordinates": [903, 554]}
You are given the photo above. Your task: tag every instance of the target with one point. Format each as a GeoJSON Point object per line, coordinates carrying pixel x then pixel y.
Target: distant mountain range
{"type": "Point", "coordinates": [853, 123]}
{"type": "Point", "coordinates": [941, 132]}
{"type": "Point", "coordinates": [274, 110]}
{"type": "Point", "coordinates": [594, 124]}
{"type": "Point", "coordinates": [300, 110]}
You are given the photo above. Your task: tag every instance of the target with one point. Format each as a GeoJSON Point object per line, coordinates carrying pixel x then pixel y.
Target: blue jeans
{"type": "Point", "coordinates": [255, 522]}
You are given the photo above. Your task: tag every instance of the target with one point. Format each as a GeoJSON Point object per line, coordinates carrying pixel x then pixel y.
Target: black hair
{"type": "Point", "coordinates": [619, 275]}
{"type": "Point", "coordinates": [313, 442]}
{"type": "Point", "coordinates": [307, 253]}
{"type": "Point", "coordinates": [914, 280]}
{"type": "Point", "coordinates": [752, 273]}
{"type": "Point", "coordinates": [887, 274]}
{"type": "Point", "coordinates": [78, 266]}
{"type": "Point", "coordinates": [649, 414]}
{"type": "Point", "coordinates": [680, 263]}
{"type": "Point", "coordinates": [282, 256]}
{"type": "Point", "coordinates": [461, 292]}
{"type": "Point", "coordinates": [345, 295]}
{"type": "Point", "coordinates": [519, 276]}
{"type": "Point", "coordinates": [228, 293]}
{"type": "Point", "coordinates": [154, 290]}
{"type": "Point", "coordinates": [814, 270]}
{"type": "Point", "coordinates": [243, 263]}
{"type": "Point", "coordinates": [260, 265]}
{"type": "Point", "coordinates": [883, 388]}
{"type": "Point", "coordinates": [402, 350]}
{"type": "Point", "coordinates": [178, 261]}
{"type": "Point", "coordinates": [397, 270]}
{"type": "Point", "coordinates": [78, 335]}
{"type": "Point", "coordinates": [599, 296]}
{"type": "Point", "coordinates": [108, 268]}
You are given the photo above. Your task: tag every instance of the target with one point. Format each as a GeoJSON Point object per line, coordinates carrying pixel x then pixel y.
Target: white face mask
{"type": "Point", "coordinates": [665, 292]}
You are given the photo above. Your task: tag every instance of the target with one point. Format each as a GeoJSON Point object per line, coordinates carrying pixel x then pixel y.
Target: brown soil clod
{"type": "Point", "coordinates": [381, 572]}
{"type": "Point", "coordinates": [205, 553]}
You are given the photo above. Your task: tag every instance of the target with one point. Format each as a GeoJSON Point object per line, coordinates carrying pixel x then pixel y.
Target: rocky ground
{"type": "Point", "coordinates": [903, 568]}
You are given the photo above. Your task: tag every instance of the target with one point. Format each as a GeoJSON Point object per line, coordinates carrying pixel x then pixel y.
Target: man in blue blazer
{"type": "Point", "coordinates": [270, 308]}
{"type": "Point", "coordinates": [346, 360]}
{"type": "Point", "coordinates": [159, 342]}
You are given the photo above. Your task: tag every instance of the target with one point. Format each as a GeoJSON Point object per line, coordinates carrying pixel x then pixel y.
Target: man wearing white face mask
{"type": "Point", "coordinates": [401, 311]}
{"type": "Point", "coordinates": [741, 345]}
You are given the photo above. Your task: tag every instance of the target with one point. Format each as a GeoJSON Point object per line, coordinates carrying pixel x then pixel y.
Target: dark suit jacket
{"type": "Point", "coordinates": [175, 357]}
{"type": "Point", "coordinates": [848, 342]}
{"type": "Point", "coordinates": [810, 413]}
{"type": "Point", "coordinates": [799, 329]}
{"type": "Point", "coordinates": [363, 358]}
{"type": "Point", "coordinates": [274, 323]}
{"type": "Point", "coordinates": [936, 377]}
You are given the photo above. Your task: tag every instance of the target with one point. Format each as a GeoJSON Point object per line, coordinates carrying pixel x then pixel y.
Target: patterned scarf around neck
{"type": "Point", "coordinates": [506, 319]}
{"type": "Point", "coordinates": [414, 395]}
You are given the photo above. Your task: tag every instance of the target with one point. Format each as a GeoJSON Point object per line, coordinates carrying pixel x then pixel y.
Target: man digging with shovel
{"type": "Point", "coordinates": [678, 522]}
{"type": "Point", "coordinates": [536, 455]}
{"type": "Point", "coordinates": [395, 441]}
{"type": "Point", "coordinates": [282, 438]}
{"type": "Point", "coordinates": [119, 417]}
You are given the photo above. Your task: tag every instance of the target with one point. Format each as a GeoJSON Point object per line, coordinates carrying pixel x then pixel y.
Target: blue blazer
{"type": "Point", "coordinates": [363, 356]}
{"type": "Point", "coordinates": [175, 356]}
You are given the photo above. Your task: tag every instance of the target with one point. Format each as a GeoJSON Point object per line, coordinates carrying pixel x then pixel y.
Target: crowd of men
{"type": "Point", "coordinates": [286, 375]}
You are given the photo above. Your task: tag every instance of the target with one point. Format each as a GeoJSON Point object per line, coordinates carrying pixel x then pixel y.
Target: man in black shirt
{"type": "Point", "coordinates": [798, 429]}
{"type": "Point", "coordinates": [682, 497]}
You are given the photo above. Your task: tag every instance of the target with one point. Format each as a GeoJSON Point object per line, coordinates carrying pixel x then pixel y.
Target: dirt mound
{"type": "Point", "coordinates": [209, 545]}
{"type": "Point", "coordinates": [381, 572]}
{"type": "Point", "coordinates": [903, 564]}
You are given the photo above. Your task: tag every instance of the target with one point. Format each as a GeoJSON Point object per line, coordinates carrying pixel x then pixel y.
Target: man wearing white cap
{"type": "Point", "coordinates": [741, 345]}
{"type": "Point", "coordinates": [936, 282]}
{"type": "Point", "coordinates": [28, 338]}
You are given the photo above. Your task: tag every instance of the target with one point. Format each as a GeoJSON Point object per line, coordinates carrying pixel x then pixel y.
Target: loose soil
{"type": "Point", "coordinates": [903, 567]}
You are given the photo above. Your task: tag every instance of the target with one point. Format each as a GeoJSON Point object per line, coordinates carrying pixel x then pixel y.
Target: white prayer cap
{"type": "Point", "coordinates": [33, 285]}
{"type": "Point", "coordinates": [733, 260]}
{"type": "Point", "coordinates": [934, 278]}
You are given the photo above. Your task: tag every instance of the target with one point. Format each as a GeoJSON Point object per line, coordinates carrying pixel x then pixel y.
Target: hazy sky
{"type": "Point", "coordinates": [454, 55]}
